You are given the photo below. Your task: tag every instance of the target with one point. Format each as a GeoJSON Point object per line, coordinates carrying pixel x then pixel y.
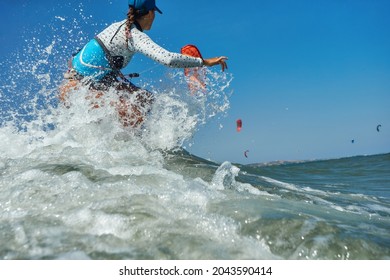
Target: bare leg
{"type": "Point", "coordinates": [133, 113]}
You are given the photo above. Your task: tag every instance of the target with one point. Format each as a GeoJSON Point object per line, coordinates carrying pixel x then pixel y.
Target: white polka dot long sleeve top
{"type": "Point", "coordinates": [115, 39]}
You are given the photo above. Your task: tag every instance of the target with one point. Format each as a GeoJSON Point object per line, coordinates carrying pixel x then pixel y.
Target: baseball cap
{"type": "Point", "coordinates": [144, 5]}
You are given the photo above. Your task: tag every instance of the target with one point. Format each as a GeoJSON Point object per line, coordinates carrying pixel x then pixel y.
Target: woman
{"type": "Point", "coordinates": [99, 63]}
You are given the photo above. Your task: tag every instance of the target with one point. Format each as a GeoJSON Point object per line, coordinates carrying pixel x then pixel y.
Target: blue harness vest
{"type": "Point", "coordinates": [91, 61]}
{"type": "Point", "coordinates": [95, 60]}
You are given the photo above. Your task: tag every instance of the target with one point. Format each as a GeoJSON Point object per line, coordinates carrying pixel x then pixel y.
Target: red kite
{"type": "Point", "coordinates": [239, 125]}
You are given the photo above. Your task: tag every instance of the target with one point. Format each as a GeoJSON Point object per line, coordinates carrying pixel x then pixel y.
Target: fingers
{"type": "Point", "coordinates": [221, 60]}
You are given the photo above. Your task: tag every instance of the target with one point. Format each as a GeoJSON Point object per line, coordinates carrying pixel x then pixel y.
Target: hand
{"type": "Point", "coordinates": [216, 60]}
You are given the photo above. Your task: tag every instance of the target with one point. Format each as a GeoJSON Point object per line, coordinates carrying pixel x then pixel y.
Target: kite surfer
{"type": "Point", "coordinates": [98, 64]}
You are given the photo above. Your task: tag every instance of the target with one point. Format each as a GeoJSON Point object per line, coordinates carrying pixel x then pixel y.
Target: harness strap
{"type": "Point", "coordinates": [110, 59]}
{"type": "Point", "coordinates": [116, 32]}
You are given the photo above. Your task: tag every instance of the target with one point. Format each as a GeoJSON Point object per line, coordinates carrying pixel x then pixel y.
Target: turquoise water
{"type": "Point", "coordinates": [73, 197]}
{"type": "Point", "coordinates": [346, 199]}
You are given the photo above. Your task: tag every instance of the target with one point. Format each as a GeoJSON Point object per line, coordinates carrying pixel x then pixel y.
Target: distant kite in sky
{"type": "Point", "coordinates": [239, 125]}
{"type": "Point", "coordinates": [246, 153]}
{"type": "Point", "coordinates": [352, 141]}
{"type": "Point", "coordinates": [377, 127]}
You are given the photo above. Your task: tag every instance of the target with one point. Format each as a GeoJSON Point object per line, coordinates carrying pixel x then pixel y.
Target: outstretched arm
{"type": "Point", "coordinates": [140, 42]}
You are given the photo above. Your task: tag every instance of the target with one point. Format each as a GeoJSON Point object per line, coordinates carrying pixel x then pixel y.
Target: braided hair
{"type": "Point", "coordinates": [131, 17]}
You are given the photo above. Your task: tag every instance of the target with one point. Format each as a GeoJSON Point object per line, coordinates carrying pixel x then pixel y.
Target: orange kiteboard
{"type": "Point", "coordinates": [196, 76]}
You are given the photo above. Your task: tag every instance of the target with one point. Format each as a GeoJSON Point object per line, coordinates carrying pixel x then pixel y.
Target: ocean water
{"type": "Point", "coordinates": [92, 193]}
{"type": "Point", "coordinates": [75, 184]}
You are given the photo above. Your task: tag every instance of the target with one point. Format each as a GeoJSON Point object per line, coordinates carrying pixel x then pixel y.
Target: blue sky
{"type": "Point", "coordinates": [309, 76]}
